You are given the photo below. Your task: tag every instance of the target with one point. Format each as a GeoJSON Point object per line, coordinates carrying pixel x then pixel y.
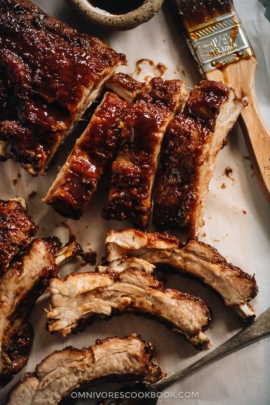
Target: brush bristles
{"type": "Point", "coordinates": [196, 12]}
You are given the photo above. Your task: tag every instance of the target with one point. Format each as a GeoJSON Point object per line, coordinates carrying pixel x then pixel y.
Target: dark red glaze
{"type": "Point", "coordinates": [204, 102]}
{"type": "Point", "coordinates": [78, 180]}
{"type": "Point", "coordinates": [125, 82]}
{"type": "Point", "coordinates": [89, 258]}
{"type": "Point", "coordinates": [175, 192]}
{"type": "Point", "coordinates": [136, 163]}
{"type": "Point", "coordinates": [47, 70]}
{"type": "Point", "coordinates": [16, 230]}
{"type": "Point", "coordinates": [176, 185]}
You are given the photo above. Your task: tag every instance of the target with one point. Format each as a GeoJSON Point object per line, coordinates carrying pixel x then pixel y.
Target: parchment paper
{"type": "Point", "coordinates": [237, 223]}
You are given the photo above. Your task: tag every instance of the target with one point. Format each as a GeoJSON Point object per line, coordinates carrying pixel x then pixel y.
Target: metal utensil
{"type": "Point", "coordinates": [147, 394]}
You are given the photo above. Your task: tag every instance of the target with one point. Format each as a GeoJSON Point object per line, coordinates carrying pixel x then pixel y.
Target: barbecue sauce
{"type": "Point", "coordinates": [117, 6]}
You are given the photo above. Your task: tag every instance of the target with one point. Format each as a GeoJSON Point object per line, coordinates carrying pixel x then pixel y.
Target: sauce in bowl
{"type": "Point", "coordinates": [117, 7]}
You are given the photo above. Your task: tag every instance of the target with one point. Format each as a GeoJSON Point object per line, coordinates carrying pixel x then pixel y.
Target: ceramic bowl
{"type": "Point", "coordinates": [120, 22]}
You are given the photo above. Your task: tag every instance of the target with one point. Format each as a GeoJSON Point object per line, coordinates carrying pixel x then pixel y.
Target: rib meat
{"type": "Point", "coordinates": [78, 179]}
{"type": "Point", "coordinates": [196, 259]}
{"type": "Point", "coordinates": [83, 296]}
{"type": "Point", "coordinates": [134, 169]}
{"type": "Point", "coordinates": [22, 392]}
{"type": "Point", "coordinates": [191, 144]}
{"type": "Point", "coordinates": [50, 74]}
{"type": "Point", "coordinates": [124, 263]}
{"type": "Point", "coordinates": [64, 371]}
{"type": "Point", "coordinates": [22, 283]}
{"type": "Point", "coordinates": [16, 230]}
{"type": "Point", "coordinates": [125, 86]}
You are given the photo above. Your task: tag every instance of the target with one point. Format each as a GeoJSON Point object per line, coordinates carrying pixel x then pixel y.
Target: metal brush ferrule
{"type": "Point", "coordinates": [218, 42]}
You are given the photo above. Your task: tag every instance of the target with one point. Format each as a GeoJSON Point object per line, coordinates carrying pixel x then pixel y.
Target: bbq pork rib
{"type": "Point", "coordinates": [16, 229]}
{"type": "Point", "coordinates": [191, 144]}
{"type": "Point", "coordinates": [65, 371]}
{"type": "Point", "coordinates": [78, 179]}
{"type": "Point", "coordinates": [49, 75]}
{"type": "Point", "coordinates": [134, 169]}
{"type": "Point", "coordinates": [20, 286]}
{"type": "Point", "coordinates": [81, 297]}
{"type": "Point", "coordinates": [196, 259]}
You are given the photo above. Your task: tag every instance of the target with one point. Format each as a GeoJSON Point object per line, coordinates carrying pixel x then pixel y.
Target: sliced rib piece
{"type": "Point", "coordinates": [196, 259]}
{"type": "Point", "coordinates": [78, 179]}
{"type": "Point", "coordinates": [125, 86]}
{"type": "Point", "coordinates": [134, 169]}
{"type": "Point", "coordinates": [20, 286]}
{"type": "Point", "coordinates": [50, 74]}
{"type": "Point", "coordinates": [16, 230]}
{"type": "Point", "coordinates": [83, 296]}
{"type": "Point", "coordinates": [191, 144]}
{"type": "Point", "coordinates": [64, 371]}
{"type": "Point", "coordinates": [128, 241]}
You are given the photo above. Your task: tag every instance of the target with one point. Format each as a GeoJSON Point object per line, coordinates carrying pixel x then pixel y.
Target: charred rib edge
{"type": "Point", "coordinates": [20, 287]}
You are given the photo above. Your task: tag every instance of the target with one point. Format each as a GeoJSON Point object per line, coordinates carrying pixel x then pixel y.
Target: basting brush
{"type": "Point", "coordinates": [220, 46]}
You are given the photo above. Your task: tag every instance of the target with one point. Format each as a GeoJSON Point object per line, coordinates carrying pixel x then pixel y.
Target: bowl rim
{"type": "Point", "coordinates": [126, 21]}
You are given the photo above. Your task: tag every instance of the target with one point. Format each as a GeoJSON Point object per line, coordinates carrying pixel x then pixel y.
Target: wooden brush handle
{"type": "Point", "coordinates": [241, 77]}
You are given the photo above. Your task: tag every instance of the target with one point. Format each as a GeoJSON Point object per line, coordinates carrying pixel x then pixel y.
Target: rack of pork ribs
{"type": "Point", "coordinates": [41, 98]}
{"type": "Point", "coordinates": [160, 141]}
{"type": "Point", "coordinates": [161, 144]}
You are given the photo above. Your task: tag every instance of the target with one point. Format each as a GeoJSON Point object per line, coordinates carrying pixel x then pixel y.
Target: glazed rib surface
{"type": "Point", "coordinates": [134, 169]}
{"type": "Point", "coordinates": [16, 230]}
{"type": "Point", "coordinates": [78, 179]}
{"type": "Point", "coordinates": [191, 144]}
{"type": "Point", "coordinates": [50, 74]}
